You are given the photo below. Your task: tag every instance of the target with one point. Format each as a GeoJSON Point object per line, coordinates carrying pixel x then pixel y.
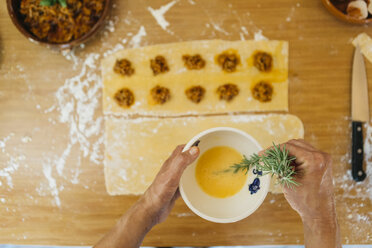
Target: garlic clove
{"type": "Point", "coordinates": [357, 9]}
{"type": "Point", "coordinates": [370, 7]}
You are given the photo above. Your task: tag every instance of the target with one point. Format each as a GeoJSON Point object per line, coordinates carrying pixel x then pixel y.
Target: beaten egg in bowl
{"type": "Point", "coordinates": [212, 173]}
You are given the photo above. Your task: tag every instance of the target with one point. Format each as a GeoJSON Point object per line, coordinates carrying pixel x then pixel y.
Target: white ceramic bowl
{"type": "Point", "coordinates": [233, 208]}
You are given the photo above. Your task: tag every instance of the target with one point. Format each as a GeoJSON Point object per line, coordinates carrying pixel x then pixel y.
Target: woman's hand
{"type": "Point", "coordinates": [160, 197]}
{"type": "Point", "coordinates": [154, 206]}
{"type": "Point", "coordinates": [314, 199]}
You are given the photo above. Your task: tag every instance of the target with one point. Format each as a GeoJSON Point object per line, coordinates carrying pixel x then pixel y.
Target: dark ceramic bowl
{"type": "Point", "coordinates": [340, 15]}
{"type": "Point", "coordinates": [13, 10]}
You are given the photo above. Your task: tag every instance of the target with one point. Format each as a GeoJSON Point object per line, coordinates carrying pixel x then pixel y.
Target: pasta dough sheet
{"type": "Point", "coordinates": [365, 44]}
{"type": "Point", "coordinates": [179, 78]}
{"type": "Point", "coordinates": [136, 148]}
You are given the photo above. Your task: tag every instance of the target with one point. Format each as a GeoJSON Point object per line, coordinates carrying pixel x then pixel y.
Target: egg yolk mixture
{"type": "Point", "coordinates": [210, 173]}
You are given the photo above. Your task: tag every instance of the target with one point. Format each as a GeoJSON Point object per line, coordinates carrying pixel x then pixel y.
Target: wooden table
{"type": "Point", "coordinates": [30, 74]}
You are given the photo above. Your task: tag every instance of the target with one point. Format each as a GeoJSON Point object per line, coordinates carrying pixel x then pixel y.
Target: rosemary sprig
{"type": "Point", "coordinates": [274, 161]}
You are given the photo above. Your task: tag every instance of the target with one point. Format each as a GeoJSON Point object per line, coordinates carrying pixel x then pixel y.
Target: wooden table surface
{"type": "Point", "coordinates": [33, 138]}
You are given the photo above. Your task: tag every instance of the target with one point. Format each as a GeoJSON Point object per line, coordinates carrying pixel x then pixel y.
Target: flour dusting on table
{"type": "Point", "coordinates": [346, 188]}
{"type": "Point", "coordinates": [4, 140]}
{"type": "Point", "coordinates": [47, 171]}
{"type": "Point", "coordinates": [158, 14]}
{"type": "Point", "coordinates": [78, 100]}
{"type": "Point", "coordinates": [243, 32]}
{"type": "Point", "coordinates": [11, 166]}
{"type": "Point", "coordinates": [368, 159]}
{"type": "Point", "coordinates": [78, 103]}
{"type": "Point", "coordinates": [136, 39]}
{"type": "Point", "coordinates": [259, 36]}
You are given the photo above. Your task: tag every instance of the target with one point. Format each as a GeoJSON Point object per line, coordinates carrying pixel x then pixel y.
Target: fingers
{"type": "Point", "coordinates": [172, 169]}
{"type": "Point", "coordinates": [281, 146]}
{"type": "Point", "coordinates": [178, 164]}
{"type": "Point", "coordinates": [175, 152]}
{"type": "Point", "coordinates": [183, 159]}
{"type": "Point", "coordinates": [297, 148]}
{"type": "Point", "coordinates": [301, 143]}
{"type": "Point", "coordinates": [164, 190]}
{"type": "Point", "coordinates": [296, 151]}
{"type": "Point", "coordinates": [309, 159]}
{"type": "Point", "coordinates": [177, 194]}
{"type": "Point", "coordinates": [178, 150]}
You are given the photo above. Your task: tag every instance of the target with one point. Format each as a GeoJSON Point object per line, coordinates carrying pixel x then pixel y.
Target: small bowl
{"type": "Point", "coordinates": [229, 209]}
{"type": "Point", "coordinates": [344, 17]}
{"type": "Point", "coordinates": [13, 10]}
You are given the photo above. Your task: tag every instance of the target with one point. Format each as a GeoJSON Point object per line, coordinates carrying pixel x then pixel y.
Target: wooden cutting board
{"type": "Point", "coordinates": [320, 56]}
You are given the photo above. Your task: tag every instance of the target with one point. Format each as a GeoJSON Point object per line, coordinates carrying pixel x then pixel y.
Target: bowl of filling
{"type": "Point", "coordinates": [212, 186]}
{"type": "Point", "coordinates": [59, 23]}
{"type": "Point", "coordinates": [351, 11]}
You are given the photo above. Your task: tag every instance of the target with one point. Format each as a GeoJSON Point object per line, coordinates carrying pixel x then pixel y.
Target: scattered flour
{"type": "Point", "coordinates": [243, 32]}
{"type": "Point", "coordinates": [158, 14]}
{"type": "Point", "coordinates": [136, 39]}
{"type": "Point", "coordinates": [357, 220]}
{"type": "Point", "coordinates": [219, 29]}
{"type": "Point", "coordinates": [110, 26]}
{"type": "Point", "coordinates": [4, 140]}
{"type": "Point", "coordinates": [26, 139]}
{"type": "Point", "coordinates": [368, 160]}
{"type": "Point", "coordinates": [33, 41]}
{"type": "Point", "coordinates": [116, 48]}
{"type": "Point", "coordinates": [11, 166]}
{"type": "Point", "coordinates": [70, 55]}
{"type": "Point", "coordinates": [77, 104]}
{"type": "Point", "coordinates": [180, 215]}
{"type": "Point", "coordinates": [291, 14]}
{"type": "Point", "coordinates": [49, 109]}
{"type": "Point", "coordinates": [47, 171]}
{"type": "Point", "coordinates": [259, 36]}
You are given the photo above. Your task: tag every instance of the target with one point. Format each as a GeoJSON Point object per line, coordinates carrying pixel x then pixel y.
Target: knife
{"type": "Point", "coordinates": [359, 114]}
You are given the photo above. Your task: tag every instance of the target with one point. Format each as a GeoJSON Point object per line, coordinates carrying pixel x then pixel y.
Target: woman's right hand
{"type": "Point", "coordinates": [313, 199]}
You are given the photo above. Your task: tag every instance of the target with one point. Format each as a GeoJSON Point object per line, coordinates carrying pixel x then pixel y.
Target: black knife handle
{"type": "Point", "coordinates": [357, 152]}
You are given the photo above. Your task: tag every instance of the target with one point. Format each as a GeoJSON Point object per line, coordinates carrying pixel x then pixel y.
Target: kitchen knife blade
{"type": "Point", "coordinates": [359, 114]}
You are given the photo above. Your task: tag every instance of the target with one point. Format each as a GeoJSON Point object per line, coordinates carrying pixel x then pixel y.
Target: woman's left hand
{"type": "Point", "coordinates": [160, 197]}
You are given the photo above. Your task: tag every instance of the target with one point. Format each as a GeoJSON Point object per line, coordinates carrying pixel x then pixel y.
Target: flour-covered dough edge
{"type": "Point", "coordinates": [364, 42]}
